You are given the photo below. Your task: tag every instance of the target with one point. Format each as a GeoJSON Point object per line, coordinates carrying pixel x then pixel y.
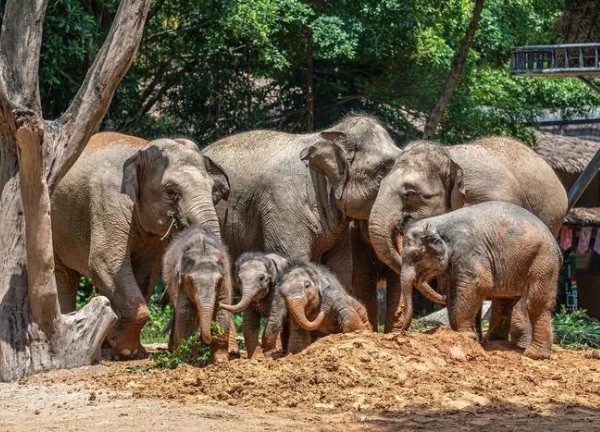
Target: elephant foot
{"type": "Point", "coordinates": [126, 344]}
{"type": "Point", "coordinates": [521, 340]}
{"type": "Point", "coordinates": [537, 353]}
{"type": "Point", "coordinates": [219, 355]}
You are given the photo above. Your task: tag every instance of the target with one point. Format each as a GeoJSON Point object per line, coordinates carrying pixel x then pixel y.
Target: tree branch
{"type": "Point", "coordinates": [20, 46]}
{"type": "Point", "coordinates": [91, 103]}
{"type": "Point", "coordinates": [43, 297]}
{"type": "Point", "coordinates": [458, 64]}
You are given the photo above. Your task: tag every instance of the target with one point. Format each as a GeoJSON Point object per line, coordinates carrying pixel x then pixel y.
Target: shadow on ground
{"type": "Point", "coordinates": [496, 416]}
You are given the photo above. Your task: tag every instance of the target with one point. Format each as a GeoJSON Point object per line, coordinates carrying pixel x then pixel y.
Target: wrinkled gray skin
{"type": "Point", "coordinates": [317, 302]}
{"type": "Point", "coordinates": [257, 273]}
{"type": "Point", "coordinates": [197, 278]}
{"type": "Point", "coordinates": [110, 212]}
{"type": "Point", "coordinates": [429, 180]}
{"type": "Point", "coordinates": [489, 250]}
{"type": "Point", "coordinates": [294, 195]}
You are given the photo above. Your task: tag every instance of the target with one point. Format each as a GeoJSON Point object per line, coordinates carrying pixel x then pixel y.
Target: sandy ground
{"type": "Point", "coordinates": [439, 381]}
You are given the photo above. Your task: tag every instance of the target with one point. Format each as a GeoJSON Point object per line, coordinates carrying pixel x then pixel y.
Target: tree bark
{"type": "Point", "coordinates": [458, 64]}
{"type": "Point", "coordinates": [34, 155]}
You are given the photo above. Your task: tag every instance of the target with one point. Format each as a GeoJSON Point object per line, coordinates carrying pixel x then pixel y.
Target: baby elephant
{"type": "Point", "coordinates": [257, 274]}
{"type": "Point", "coordinates": [488, 250]}
{"type": "Point", "coordinates": [197, 279]}
{"type": "Point", "coordinates": [313, 292]}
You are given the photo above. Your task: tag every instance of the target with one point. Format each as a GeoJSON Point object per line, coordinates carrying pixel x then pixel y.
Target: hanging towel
{"type": "Point", "coordinates": [566, 237]}
{"type": "Point", "coordinates": [585, 235]}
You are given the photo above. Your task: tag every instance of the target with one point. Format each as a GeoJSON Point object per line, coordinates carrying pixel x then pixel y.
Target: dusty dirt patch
{"type": "Point", "coordinates": [376, 382]}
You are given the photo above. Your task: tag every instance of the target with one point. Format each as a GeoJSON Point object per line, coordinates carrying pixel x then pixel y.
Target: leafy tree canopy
{"type": "Point", "coordinates": [208, 68]}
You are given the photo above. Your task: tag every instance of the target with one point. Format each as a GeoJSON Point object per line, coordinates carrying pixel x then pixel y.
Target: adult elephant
{"type": "Point", "coordinates": [428, 180]}
{"type": "Point", "coordinates": [294, 194]}
{"type": "Point", "coordinates": [111, 212]}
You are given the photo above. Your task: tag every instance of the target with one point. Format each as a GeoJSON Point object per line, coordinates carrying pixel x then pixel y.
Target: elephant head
{"type": "Point", "coordinates": [196, 270]}
{"type": "Point", "coordinates": [354, 155]}
{"type": "Point", "coordinates": [425, 256]}
{"type": "Point", "coordinates": [257, 274]}
{"type": "Point", "coordinates": [423, 182]}
{"type": "Point", "coordinates": [170, 181]}
{"type": "Point", "coordinates": [301, 288]}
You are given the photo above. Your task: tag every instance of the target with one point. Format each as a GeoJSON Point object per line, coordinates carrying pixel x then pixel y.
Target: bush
{"type": "Point", "coordinates": [576, 329]}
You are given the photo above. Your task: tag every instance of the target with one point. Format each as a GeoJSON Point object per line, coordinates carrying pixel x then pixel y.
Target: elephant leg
{"type": "Point", "coordinates": [232, 346]}
{"type": "Point", "coordinates": [219, 348]}
{"type": "Point", "coordinates": [539, 308]}
{"type": "Point", "coordinates": [339, 260]}
{"type": "Point", "coordinates": [128, 302]}
{"type": "Point", "coordinates": [463, 306]}
{"type": "Point", "coordinates": [185, 322]}
{"type": "Point", "coordinates": [299, 338]}
{"type": "Point", "coordinates": [275, 323]}
{"type": "Point", "coordinates": [500, 318]}
{"type": "Point", "coordinates": [67, 282]}
{"type": "Point", "coordinates": [365, 269]}
{"type": "Point", "coordinates": [521, 326]}
{"type": "Point", "coordinates": [250, 328]}
{"type": "Point", "coordinates": [393, 294]}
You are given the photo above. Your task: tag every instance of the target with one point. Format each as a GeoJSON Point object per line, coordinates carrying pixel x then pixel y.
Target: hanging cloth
{"type": "Point", "coordinates": [566, 237]}
{"type": "Point", "coordinates": [585, 235]}
{"type": "Point", "coordinates": [597, 242]}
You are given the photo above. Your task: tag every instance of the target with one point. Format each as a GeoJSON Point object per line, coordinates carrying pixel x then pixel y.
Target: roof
{"type": "Point", "coordinates": [584, 216]}
{"type": "Point", "coordinates": [565, 153]}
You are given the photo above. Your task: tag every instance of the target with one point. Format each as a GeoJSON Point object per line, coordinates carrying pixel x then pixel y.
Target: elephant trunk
{"type": "Point", "coordinates": [204, 301]}
{"type": "Point", "coordinates": [200, 211]}
{"type": "Point", "coordinates": [407, 280]}
{"type": "Point", "coordinates": [247, 296]}
{"type": "Point", "coordinates": [385, 216]}
{"type": "Point", "coordinates": [205, 319]}
{"type": "Point", "coordinates": [296, 309]}
{"type": "Point", "coordinates": [431, 294]}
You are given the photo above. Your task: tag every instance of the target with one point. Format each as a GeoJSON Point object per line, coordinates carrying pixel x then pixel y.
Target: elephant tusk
{"type": "Point", "coordinates": [172, 214]}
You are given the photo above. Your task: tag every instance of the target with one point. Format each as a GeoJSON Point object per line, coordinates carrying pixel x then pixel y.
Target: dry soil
{"type": "Point", "coordinates": [366, 381]}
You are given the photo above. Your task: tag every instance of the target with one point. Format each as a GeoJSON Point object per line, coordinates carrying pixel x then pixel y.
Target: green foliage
{"type": "Point", "coordinates": [156, 329]}
{"type": "Point", "coordinates": [85, 292]}
{"type": "Point", "coordinates": [192, 351]}
{"type": "Point", "coordinates": [576, 329]}
{"type": "Point", "coordinates": [209, 68]}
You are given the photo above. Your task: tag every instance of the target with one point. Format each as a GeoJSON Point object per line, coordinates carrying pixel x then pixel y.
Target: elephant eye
{"type": "Point", "coordinates": [409, 194]}
{"type": "Point", "coordinates": [306, 284]}
{"type": "Point", "coordinates": [171, 194]}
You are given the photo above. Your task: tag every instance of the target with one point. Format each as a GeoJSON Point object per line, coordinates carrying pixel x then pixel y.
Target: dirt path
{"type": "Point", "coordinates": [343, 382]}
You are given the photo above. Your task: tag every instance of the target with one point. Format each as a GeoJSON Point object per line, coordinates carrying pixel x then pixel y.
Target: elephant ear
{"type": "Point", "coordinates": [221, 186]}
{"type": "Point", "coordinates": [278, 265]}
{"type": "Point", "coordinates": [131, 183]}
{"type": "Point", "coordinates": [457, 183]}
{"type": "Point", "coordinates": [434, 243]}
{"type": "Point", "coordinates": [329, 158]}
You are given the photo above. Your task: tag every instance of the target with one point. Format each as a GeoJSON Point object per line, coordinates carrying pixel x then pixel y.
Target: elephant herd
{"type": "Point", "coordinates": [304, 226]}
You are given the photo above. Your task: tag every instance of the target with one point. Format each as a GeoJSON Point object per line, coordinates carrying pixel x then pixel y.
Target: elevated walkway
{"type": "Point", "coordinates": [576, 60]}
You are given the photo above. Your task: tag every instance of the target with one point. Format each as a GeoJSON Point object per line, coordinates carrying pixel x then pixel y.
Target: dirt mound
{"type": "Point", "coordinates": [368, 371]}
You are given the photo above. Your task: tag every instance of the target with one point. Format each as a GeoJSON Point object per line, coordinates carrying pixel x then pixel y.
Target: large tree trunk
{"type": "Point", "coordinates": [458, 64]}
{"type": "Point", "coordinates": [34, 155]}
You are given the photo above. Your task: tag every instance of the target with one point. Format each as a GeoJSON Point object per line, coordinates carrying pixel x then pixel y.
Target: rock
{"type": "Point", "coordinates": [441, 317]}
